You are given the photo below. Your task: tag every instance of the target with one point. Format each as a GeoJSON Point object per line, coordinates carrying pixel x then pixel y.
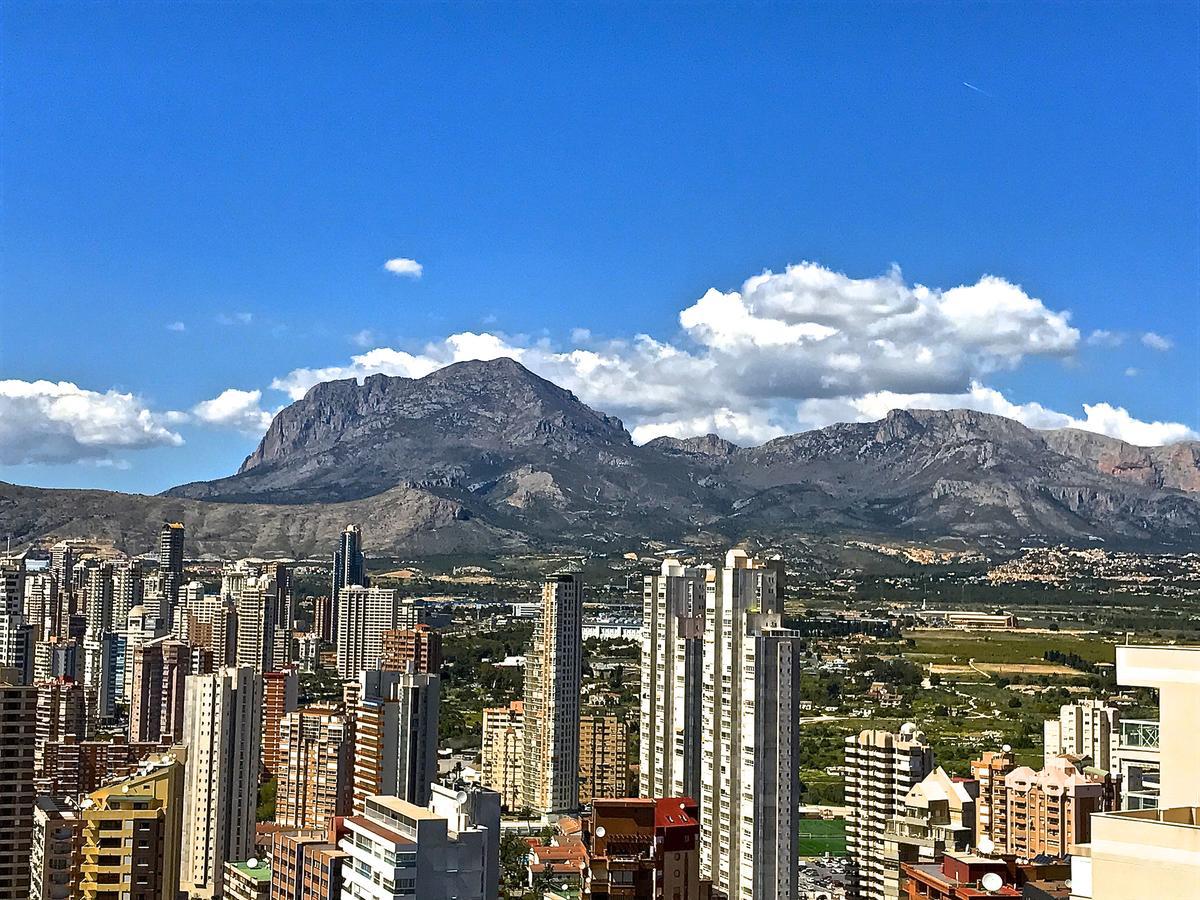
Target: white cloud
{"type": "Point", "coordinates": [788, 351]}
{"type": "Point", "coordinates": [1157, 341]}
{"type": "Point", "coordinates": [364, 338]}
{"type": "Point", "coordinates": [387, 361]}
{"type": "Point", "coordinates": [234, 408]}
{"type": "Point", "coordinates": [1102, 418]}
{"type": "Point", "coordinates": [176, 326]}
{"type": "Point", "coordinates": [1132, 372]}
{"type": "Point", "coordinates": [59, 422]}
{"type": "Point", "coordinates": [404, 267]}
{"type": "Point", "coordinates": [237, 318]}
{"type": "Point", "coordinates": [1102, 337]}
{"type": "Point", "coordinates": [733, 425]}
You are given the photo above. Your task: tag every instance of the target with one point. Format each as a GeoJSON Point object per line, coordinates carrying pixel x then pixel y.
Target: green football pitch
{"type": "Point", "coordinates": [821, 836]}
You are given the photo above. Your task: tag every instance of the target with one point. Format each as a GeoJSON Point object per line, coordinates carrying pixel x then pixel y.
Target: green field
{"type": "Point", "coordinates": [1020, 647]}
{"type": "Point", "coordinates": [821, 836]}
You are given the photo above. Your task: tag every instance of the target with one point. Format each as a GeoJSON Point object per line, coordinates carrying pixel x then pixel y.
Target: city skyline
{"type": "Point", "coordinates": [1034, 168]}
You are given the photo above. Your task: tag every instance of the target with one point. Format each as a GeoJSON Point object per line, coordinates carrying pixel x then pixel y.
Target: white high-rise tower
{"type": "Point", "coordinates": [672, 680]}
{"type": "Point", "coordinates": [749, 758]}
{"type": "Point", "coordinates": [222, 730]}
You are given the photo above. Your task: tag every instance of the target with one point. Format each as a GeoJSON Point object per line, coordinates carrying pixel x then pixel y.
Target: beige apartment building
{"type": "Point", "coordinates": [281, 692]}
{"type": "Point", "coordinates": [502, 759]}
{"type": "Point", "coordinates": [141, 814]}
{"type": "Point", "coordinates": [316, 760]}
{"type": "Point", "coordinates": [938, 816]}
{"type": "Point", "coordinates": [603, 758]}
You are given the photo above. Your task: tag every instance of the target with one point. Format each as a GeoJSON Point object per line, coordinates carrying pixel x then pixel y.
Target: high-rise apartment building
{"type": "Point", "coordinates": [102, 653]}
{"type": "Point", "coordinates": [349, 570]}
{"type": "Point", "coordinates": [1045, 813]}
{"type": "Point", "coordinates": [131, 835]}
{"type": "Point", "coordinates": [395, 735]}
{"type": "Point", "coordinates": [672, 681]}
{"type": "Point", "coordinates": [938, 816]}
{"type": "Point", "coordinates": [396, 850]}
{"type": "Point", "coordinates": [991, 806]}
{"type": "Point", "coordinates": [157, 704]}
{"type": "Point", "coordinates": [223, 721]}
{"type": "Point", "coordinates": [281, 693]}
{"type": "Point", "coordinates": [323, 625]}
{"type": "Point", "coordinates": [63, 711]}
{"type": "Point", "coordinates": [127, 592]}
{"type": "Point", "coordinates": [881, 769]}
{"type": "Point", "coordinates": [14, 637]}
{"type": "Point", "coordinates": [72, 767]}
{"type": "Point", "coordinates": [170, 567]}
{"type": "Point", "coordinates": [416, 649]}
{"type": "Point", "coordinates": [364, 614]}
{"type": "Point", "coordinates": [603, 758]}
{"type": "Point", "coordinates": [98, 597]}
{"type": "Point", "coordinates": [502, 758]}
{"type": "Point", "coordinates": [749, 762]}
{"type": "Point", "coordinates": [54, 864]}
{"type": "Point", "coordinates": [316, 759]}
{"type": "Point", "coordinates": [1086, 727]}
{"type": "Point", "coordinates": [472, 813]}
{"type": "Point", "coordinates": [18, 725]}
{"type": "Point", "coordinates": [553, 679]}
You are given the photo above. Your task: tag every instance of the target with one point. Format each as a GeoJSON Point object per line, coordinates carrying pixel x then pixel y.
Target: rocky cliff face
{"type": "Point", "coordinates": [489, 452]}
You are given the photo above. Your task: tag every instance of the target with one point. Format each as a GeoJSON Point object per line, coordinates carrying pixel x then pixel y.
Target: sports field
{"type": "Point", "coordinates": [821, 836]}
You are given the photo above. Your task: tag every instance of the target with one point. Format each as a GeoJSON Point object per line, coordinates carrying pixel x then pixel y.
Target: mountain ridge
{"type": "Point", "coordinates": [491, 452]}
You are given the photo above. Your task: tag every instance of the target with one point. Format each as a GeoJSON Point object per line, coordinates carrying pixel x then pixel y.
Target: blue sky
{"type": "Point", "coordinates": [198, 198]}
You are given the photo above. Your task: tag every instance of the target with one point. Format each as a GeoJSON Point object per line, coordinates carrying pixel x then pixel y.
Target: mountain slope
{"type": "Point", "coordinates": [401, 518]}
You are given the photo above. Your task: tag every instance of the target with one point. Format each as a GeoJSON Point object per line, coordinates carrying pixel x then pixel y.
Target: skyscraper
{"type": "Point", "coordinates": [18, 725]}
{"type": "Point", "coordinates": [257, 607]}
{"type": "Point", "coordinates": [672, 680]}
{"type": "Point", "coordinates": [416, 649]}
{"type": "Point", "coordinates": [395, 735]}
{"type": "Point", "coordinates": [281, 690]}
{"type": "Point", "coordinates": [64, 710]}
{"type": "Point", "coordinates": [15, 652]}
{"type": "Point", "coordinates": [881, 768]}
{"type": "Point", "coordinates": [749, 762]}
{"type": "Point", "coordinates": [170, 567]}
{"type": "Point", "coordinates": [349, 569]}
{"type": "Point", "coordinates": [316, 760]}
{"type": "Point", "coordinates": [553, 678]}
{"type": "Point", "coordinates": [222, 732]}
{"type": "Point", "coordinates": [364, 614]}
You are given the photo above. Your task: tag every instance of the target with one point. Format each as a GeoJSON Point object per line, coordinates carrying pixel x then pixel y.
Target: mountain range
{"type": "Point", "coordinates": [489, 457]}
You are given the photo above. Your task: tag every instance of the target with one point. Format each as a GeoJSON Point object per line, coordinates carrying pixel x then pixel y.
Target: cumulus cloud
{"type": "Point", "coordinates": [387, 361]}
{"type": "Point", "coordinates": [1103, 418]}
{"type": "Point", "coordinates": [1102, 337]}
{"type": "Point", "coordinates": [233, 408]}
{"type": "Point", "coordinates": [796, 349]}
{"type": "Point", "coordinates": [60, 422]}
{"type": "Point", "coordinates": [1157, 342]}
{"type": "Point", "coordinates": [404, 267]}
{"type": "Point", "coordinates": [364, 338]}
{"type": "Point", "coordinates": [176, 326]}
